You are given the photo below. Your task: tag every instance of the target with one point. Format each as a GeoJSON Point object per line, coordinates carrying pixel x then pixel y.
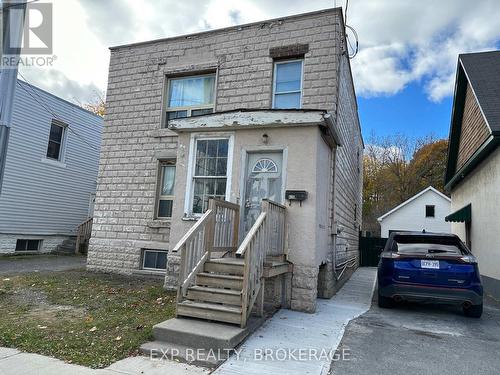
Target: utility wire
{"type": "Point", "coordinates": [345, 12]}
{"type": "Point", "coordinates": [51, 111]}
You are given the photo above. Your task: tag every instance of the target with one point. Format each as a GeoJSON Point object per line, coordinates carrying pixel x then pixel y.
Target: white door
{"type": "Point", "coordinates": [263, 180]}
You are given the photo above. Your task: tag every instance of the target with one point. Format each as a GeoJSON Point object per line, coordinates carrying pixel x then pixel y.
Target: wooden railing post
{"type": "Point", "coordinates": [210, 235]}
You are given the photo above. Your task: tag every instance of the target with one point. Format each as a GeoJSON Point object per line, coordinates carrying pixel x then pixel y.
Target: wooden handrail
{"type": "Point", "coordinates": [215, 231]}
{"type": "Point", "coordinates": [267, 237]}
{"type": "Point", "coordinates": [83, 234]}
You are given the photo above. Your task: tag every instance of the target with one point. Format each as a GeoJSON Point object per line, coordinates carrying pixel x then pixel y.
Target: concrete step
{"type": "Point", "coordinates": [199, 334]}
{"type": "Point", "coordinates": [229, 266]}
{"type": "Point", "coordinates": [210, 311]}
{"type": "Point", "coordinates": [217, 295]}
{"type": "Point", "coordinates": [65, 250]}
{"type": "Point", "coordinates": [161, 350]}
{"type": "Point", "coordinates": [219, 281]}
{"type": "Point", "coordinates": [70, 242]}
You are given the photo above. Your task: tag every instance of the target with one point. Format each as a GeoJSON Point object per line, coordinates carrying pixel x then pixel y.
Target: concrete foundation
{"type": "Point", "coordinates": [49, 243]}
{"type": "Point", "coordinates": [304, 288]}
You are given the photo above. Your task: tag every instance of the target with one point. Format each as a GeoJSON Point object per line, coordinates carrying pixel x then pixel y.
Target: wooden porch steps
{"type": "Point", "coordinates": [217, 293]}
{"type": "Point", "coordinates": [228, 289]}
{"type": "Point", "coordinates": [229, 266]}
{"type": "Point", "coordinates": [219, 281]}
{"type": "Point", "coordinates": [210, 311]}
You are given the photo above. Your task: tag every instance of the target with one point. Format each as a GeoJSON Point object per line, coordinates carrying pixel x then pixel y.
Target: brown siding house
{"type": "Point", "coordinates": [473, 169]}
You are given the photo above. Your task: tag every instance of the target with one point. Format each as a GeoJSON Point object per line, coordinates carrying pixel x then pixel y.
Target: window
{"type": "Point", "coordinates": [28, 245]}
{"type": "Point", "coordinates": [210, 172]}
{"type": "Point", "coordinates": [154, 259]}
{"type": "Point", "coordinates": [430, 211]}
{"type": "Point", "coordinates": [407, 244]}
{"type": "Point", "coordinates": [265, 166]}
{"type": "Point", "coordinates": [166, 189]}
{"type": "Point", "coordinates": [56, 137]}
{"type": "Point", "coordinates": [190, 96]}
{"type": "Point", "coordinates": [287, 84]}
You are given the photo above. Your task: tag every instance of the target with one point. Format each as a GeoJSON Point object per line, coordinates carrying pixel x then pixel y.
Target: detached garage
{"type": "Point", "coordinates": [424, 211]}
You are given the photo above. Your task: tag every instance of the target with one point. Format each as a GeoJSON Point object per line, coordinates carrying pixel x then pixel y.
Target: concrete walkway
{"type": "Point", "coordinates": [14, 362]}
{"type": "Point", "coordinates": [39, 263]}
{"type": "Point", "coordinates": [296, 343]}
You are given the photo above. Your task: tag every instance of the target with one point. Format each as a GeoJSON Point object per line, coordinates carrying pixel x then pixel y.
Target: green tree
{"type": "Point", "coordinates": [396, 168]}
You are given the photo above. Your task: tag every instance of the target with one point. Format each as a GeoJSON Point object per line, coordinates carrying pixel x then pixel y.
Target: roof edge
{"type": "Point", "coordinates": [235, 27]}
{"type": "Point", "coordinates": [20, 81]}
{"type": "Point", "coordinates": [430, 188]}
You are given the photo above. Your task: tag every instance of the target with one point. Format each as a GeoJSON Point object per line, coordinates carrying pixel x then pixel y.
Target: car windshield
{"type": "Point", "coordinates": [428, 245]}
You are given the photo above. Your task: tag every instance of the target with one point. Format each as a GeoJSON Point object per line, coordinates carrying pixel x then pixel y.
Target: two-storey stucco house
{"type": "Point", "coordinates": [49, 182]}
{"type": "Point", "coordinates": [473, 169]}
{"type": "Point", "coordinates": [262, 116]}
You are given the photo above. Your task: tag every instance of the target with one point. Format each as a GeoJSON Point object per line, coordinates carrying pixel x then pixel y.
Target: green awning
{"type": "Point", "coordinates": [462, 215]}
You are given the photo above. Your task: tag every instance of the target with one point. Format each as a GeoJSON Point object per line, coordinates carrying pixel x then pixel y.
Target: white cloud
{"type": "Point", "coordinates": [406, 41]}
{"type": "Point", "coordinates": [400, 41]}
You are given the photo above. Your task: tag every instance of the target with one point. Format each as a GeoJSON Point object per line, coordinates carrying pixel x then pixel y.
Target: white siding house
{"type": "Point", "coordinates": [50, 172]}
{"type": "Point", "coordinates": [425, 210]}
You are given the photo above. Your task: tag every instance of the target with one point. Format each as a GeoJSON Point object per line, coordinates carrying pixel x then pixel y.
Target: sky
{"type": "Point", "coordinates": [404, 71]}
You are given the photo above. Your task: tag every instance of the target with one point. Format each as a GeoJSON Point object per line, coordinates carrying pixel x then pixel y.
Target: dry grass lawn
{"type": "Point", "coordinates": [85, 318]}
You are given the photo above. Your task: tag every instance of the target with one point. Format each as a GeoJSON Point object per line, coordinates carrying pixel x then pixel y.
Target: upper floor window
{"type": "Point", "coordinates": [166, 189]}
{"type": "Point", "coordinates": [190, 96]}
{"type": "Point", "coordinates": [56, 139]}
{"type": "Point", "coordinates": [430, 211]}
{"type": "Point", "coordinates": [287, 86]}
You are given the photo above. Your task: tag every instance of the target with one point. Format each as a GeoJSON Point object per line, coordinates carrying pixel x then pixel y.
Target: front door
{"type": "Point", "coordinates": [263, 180]}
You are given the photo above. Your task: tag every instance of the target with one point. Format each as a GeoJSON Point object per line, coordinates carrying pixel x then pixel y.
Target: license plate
{"type": "Point", "coordinates": [433, 264]}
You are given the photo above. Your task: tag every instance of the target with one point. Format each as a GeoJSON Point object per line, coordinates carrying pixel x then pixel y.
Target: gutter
{"type": "Point", "coordinates": [481, 153]}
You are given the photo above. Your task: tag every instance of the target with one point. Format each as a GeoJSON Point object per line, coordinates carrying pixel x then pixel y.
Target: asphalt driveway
{"type": "Point", "coordinates": [421, 339]}
{"type": "Point", "coordinates": [38, 263]}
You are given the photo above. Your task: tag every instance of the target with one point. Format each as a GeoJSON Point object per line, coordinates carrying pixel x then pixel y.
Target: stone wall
{"type": "Point", "coordinates": [134, 140]}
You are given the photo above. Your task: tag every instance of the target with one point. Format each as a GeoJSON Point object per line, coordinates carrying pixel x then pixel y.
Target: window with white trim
{"type": "Point", "coordinates": [165, 189]}
{"type": "Point", "coordinates": [154, 259]}
{"type": "Point", "coordinates": [56, 140]}
{"type": "Point", "coordinates": [210, 172]}
{"type": "Point", "coordinates": [190, 96]}
{"type": "Point", "coordinates": [287, 85]}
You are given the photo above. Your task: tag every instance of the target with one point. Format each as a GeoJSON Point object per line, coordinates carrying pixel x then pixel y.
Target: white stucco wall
{"type": "Point", "coordinates": [411, 217]}
{"type": "Point", "coordinates": [482, 190]}
{"type": "Point", "coordinates": [301, 147]}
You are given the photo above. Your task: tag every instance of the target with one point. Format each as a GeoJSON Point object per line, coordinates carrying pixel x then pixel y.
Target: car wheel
{"type": "Point", "coordinates": [385, 302]}
{"type": "Point", "coordinates": [474, 311]}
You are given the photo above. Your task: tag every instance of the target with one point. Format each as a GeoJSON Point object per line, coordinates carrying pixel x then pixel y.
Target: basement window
{"type": "Point", "coordinates": [430, 211]}
{"type": "Point", "coordinates": [28, 245]}
{"type": "Point", "coordinates": [154, 259]}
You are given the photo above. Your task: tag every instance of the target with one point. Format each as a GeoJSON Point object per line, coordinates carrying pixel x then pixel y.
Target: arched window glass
{"type": "Point", "coordinates": [265, 166]}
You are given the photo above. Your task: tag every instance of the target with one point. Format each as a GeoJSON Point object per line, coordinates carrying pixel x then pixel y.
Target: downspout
{"type": "Point", "coordinates": [12, 24]}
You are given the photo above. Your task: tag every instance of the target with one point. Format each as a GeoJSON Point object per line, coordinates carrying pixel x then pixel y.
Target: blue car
{"type": "Point", "coordinates": [432, 268]}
